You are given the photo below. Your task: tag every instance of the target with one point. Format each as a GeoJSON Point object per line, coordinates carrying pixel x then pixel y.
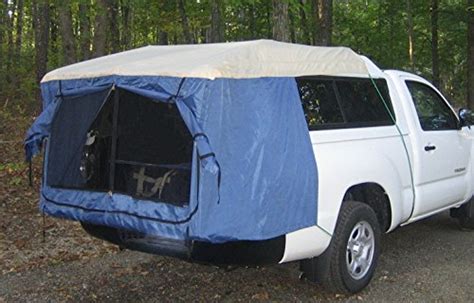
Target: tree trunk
{"type": "Point", "coordinates": [184, 22]}
{"type": "Point", "coordinates": [202, 35]}
{"type": "Point", "coordinates": [380, 23]}
{"type": "Point", "coordinates": [268, 20]}
{"type": "Point", "coordinates": [391, 36]}
{"type": "Point", "coordinates": [19, 30]}
{"type": "Point", "coordinates": [470, 55]}
{"type": "Point", "coordinates": [280, 20]}
{"type": "Point", "coordinates": [126, 40]}
{"type": "Point", "coordinates": [434, 42]}
{"type": "Point", "coordinates": [54, 32]}
{"type": "Point", "coordinates": [326, 22]}
{"type": "Point", "coordinates": [67, 33]}
{"type": "Point", "coordinates": [291, 19]}
{"type": "Point", "coordinates": [41, 22]}
{"type": "Point", "coordinates": [100, 28]}
{"type": "Point", "coordinates": [217, 26]}
{"type": "Point", "coordinates": [3, 13]}
{"type": "Point", "coordinates": [323, 22]}
{"type": "Point", "coordinates": [85, 29]}
{"type": "Point", "coordinates": [252, 21]}
{"type": "Point", "coordinates": [162, 37]}
{"type": "Point", "coordinates": [411, 55]}
{"type": "Point", "coordinates": [316, 22]}
{"type": "Point", "coordinates": [114, 31]}
{"type": "Point", "coordinates": [10, 44]}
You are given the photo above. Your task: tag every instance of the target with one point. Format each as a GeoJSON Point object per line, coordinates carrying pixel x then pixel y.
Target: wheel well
{"type": "Point", "coordinates": [375, 196]}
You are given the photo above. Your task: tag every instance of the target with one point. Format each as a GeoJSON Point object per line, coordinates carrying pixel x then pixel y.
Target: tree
{"type": "Point", "coordinates": [304, 23]}
{"type": "Point", "coordinates": [46, 34]}
{"type": "Point", "coordinates": [411, 54]}
{"type": "Point", "coordinates": [292, 28]}
{"type": "Point", "coordinates": [184, 22]}
{"type": "Point", "coordinates": [101, 25]}
{"type": "Point", "coordinates": [19, 30]}
{"type": "Point", "coordinates": [3, 14]}
{"type": "Point", "coordinates": [41, 23]}
{"type": "Point", "coordinates": [217, 26]}
{"type": "Point", "coordinates": [325, 25]}
{"type": "Point", "coordinates": [10, 39]}
{"type": "Point", "coordinates": [434, 42]}
{"type": "Point", "coordinates": [280, 20]}
{"type": "Point", "coordinates": [114, 31]}
{"type": "Point", "coordinates": [322, 16]}
{"type": "Point", "coordinates": [470, 55]}
{"type": "Point", "coordinates": [67, 33]}
{"type": "Point", "coordinates": [126, 40]}
{"type": "Point", "coordinates": [85, 30]}
{"type": "Point", "coordinates": [55, 57]}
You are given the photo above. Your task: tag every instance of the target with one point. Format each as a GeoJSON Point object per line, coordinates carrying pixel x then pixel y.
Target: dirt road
{"type": "Point", "coordinates": [428, 261]}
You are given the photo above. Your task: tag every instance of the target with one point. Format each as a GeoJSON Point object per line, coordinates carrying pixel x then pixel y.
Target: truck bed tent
{"type": "Point", "coordinates": [191, 142]}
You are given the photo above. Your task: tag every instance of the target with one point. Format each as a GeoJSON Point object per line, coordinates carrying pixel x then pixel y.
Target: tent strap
{"type": "Point", "coordinates": [175, 96]}
{"type": "Point", "coordinates": [60, 90]}
{"type": "Point", "coordinates": [208, 155]}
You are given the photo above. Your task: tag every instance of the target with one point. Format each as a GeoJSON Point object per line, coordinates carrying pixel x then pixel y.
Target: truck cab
{"type": "Point", "coordinates": [441, 152]}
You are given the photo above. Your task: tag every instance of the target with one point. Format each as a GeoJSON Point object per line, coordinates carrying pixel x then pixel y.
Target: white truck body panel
{"type": "Point", "coordinates": [418, 183]}
{"type": "Point", "coordinates": [299, 245]}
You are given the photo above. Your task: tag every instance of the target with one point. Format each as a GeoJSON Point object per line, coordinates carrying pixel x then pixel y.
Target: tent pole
{"type": "Point", "coordinates": [113, 153]}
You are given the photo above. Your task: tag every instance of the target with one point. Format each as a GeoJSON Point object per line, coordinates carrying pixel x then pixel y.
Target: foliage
{"type": "Point", "coordinates": [375, 28]}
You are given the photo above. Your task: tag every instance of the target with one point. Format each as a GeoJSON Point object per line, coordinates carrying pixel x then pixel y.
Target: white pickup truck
{"type": "Point", "coordinates": [389, 148]}
{"type": "Point", "coordinates": [377, 174]}
{"type": "Point", "coordinates": [386, 157]}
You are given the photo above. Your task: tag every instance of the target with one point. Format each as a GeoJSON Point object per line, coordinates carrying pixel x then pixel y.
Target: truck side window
{"type": "Point", "coordinates": [432, 110]}
{"type": "Point", "coordinates": [361, 102]}
{"type": "Point", "coordinates": [319, 102]}
{"type": "Point", "coordinates": [333, 103]}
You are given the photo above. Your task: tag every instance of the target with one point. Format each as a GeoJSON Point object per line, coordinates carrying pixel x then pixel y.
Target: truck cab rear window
{"type": "Point", "coordinates": [331, 103]}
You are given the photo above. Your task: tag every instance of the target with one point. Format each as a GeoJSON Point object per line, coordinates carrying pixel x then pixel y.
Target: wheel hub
{"type": "Point", "coordinates": [360, 250]}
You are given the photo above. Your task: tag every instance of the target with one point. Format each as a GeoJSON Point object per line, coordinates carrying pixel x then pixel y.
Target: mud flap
{"type": "Point", "coordinates": [464, 211]}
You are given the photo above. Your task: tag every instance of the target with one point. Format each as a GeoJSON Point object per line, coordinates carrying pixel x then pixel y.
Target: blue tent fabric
{"type": "Point", "coordinates": [254, 175]}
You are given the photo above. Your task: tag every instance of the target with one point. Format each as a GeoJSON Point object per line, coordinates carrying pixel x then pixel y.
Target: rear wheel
{"type": "Point", "coordinates": [348, 265]}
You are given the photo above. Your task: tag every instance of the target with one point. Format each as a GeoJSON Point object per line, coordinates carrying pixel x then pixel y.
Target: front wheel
{"type": "Point", "coordinates": [347, 266]}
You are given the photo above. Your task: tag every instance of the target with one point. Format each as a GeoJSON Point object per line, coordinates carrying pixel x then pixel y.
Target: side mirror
{"type": "Point", "coordinates": [465, 117]}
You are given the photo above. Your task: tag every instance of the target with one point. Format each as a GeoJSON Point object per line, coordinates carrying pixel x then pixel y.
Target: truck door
{"type": "Point", "coordinates": [442, 151]}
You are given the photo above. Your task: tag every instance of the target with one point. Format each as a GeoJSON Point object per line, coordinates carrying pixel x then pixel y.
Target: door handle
{"type": "Point", "coordinates": [430, 147]}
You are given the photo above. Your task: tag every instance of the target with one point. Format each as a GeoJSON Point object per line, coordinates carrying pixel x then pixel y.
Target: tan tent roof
{"type": "Point", "coordinates": [248, 59]}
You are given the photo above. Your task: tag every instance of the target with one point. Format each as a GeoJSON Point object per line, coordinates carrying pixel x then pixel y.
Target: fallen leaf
{"type": "Point", "coordinates": [262, 296]}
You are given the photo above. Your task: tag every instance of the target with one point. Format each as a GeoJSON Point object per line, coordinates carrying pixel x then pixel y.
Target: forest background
{"type": "Point", "coordinates": [433, 38]}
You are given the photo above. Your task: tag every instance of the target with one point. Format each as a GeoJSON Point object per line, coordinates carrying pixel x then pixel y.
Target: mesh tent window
{"type": "Point", "coordinates": [122, 142]}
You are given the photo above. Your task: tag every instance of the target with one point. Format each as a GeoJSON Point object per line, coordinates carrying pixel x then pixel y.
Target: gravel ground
{"type": "Point", "coordinates": [430, 260]}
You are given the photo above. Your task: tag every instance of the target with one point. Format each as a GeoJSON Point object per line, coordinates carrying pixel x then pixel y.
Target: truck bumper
{"type": "Point", "coordinates": [243, 253]}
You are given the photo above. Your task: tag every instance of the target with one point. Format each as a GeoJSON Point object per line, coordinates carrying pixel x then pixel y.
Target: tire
{"type": "Point", "coordinates": [331, 269]}
{"type": "Point", "coordinates": [465, 215]}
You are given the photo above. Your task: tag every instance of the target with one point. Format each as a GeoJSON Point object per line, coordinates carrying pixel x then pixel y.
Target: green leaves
{"type": "Point", "coordinates": [376, 28]}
